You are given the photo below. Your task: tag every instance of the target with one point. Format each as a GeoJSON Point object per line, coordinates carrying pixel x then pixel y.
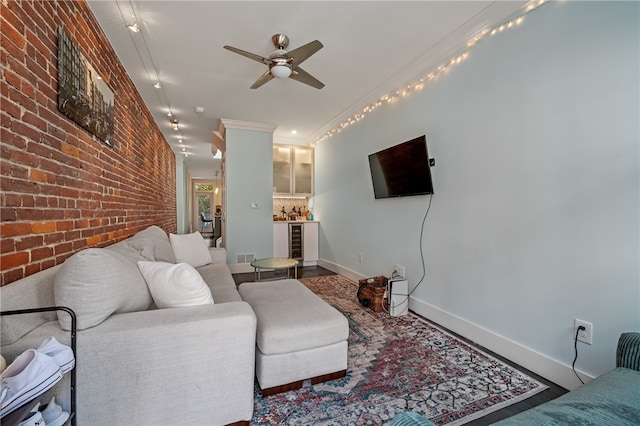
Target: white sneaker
{"type": "Point", "coordinates": [34, 418]}
{"type": "Point", "coordinates": [30, 375]}
{"type": "Point", "coordinates": [62, 354]}
{"type": "Point", "coordinates": [53, 414]}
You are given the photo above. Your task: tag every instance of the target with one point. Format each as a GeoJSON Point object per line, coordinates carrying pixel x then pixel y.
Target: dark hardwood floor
{"type": "Point", "coordinates": [549, 394]}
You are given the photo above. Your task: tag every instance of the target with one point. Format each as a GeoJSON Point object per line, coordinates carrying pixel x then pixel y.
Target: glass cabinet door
{"type": "Point", "coordinates": [281, 170]}
{"type": "Point", "coordinates": [303, 170]}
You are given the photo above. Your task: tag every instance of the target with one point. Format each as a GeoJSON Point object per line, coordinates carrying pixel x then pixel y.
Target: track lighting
{"type": "Point", "coordinates": [175, 124]}
{"type": "Point", "coordinates": [134, 27]}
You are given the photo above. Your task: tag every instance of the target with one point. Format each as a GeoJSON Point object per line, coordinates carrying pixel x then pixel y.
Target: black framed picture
{"type": "Point", "coordinates": [82, 94]}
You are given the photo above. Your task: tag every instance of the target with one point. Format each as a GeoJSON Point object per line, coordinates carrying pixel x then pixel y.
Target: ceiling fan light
{"type": "Point", "coordinates": [280, 71]}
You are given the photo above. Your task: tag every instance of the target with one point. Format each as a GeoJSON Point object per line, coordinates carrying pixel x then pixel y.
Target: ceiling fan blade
{"type": "Point", "coordinates": [304, 77]}
{"type": "Point", "coordinates": [249, 55]}
{"type": "Point", "coordinates": [301, 54]}
{"type": "Point", "coordinates": [262, 80]}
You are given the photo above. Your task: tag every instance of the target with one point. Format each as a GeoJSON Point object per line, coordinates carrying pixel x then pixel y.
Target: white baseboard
{"type": "Point", "coordinates": [341, 270]}
{"type": "Point", "coordinates": [240, 268]}
{"type": "Point", "coordinates": [528, 358]}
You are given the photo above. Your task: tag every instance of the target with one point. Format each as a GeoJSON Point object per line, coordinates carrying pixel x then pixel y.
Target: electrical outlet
{"type": "Point", "coordinates": [398, 270]}
{"type": "Point", "coordinates": [585, 335]}
{"type": "Point", "coordinates": [360, 257]}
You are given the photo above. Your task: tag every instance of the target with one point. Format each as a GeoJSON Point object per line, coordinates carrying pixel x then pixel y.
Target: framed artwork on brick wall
{"type": "Point", "coordinates": [82, 94]}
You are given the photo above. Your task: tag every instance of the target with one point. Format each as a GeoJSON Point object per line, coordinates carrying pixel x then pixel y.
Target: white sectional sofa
{"type": "Point", "coordinates": [135, 363]}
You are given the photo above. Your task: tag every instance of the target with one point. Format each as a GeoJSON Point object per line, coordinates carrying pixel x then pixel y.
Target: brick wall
{"type": "Point", "coordinates": [62, 190]}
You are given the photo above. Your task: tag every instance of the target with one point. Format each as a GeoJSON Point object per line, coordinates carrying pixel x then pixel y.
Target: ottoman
{"type": "Point", "coordinates": [299, 336]}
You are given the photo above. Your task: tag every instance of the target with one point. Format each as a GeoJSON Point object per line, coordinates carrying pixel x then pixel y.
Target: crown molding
{"type": "Point", "coordinates": [449, 46]}
{"type": "Point", "coordinates": [247, 125]}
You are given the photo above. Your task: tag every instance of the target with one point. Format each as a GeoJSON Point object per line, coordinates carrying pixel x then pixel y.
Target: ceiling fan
{"type": "Point", "coordinates": [283, 64]}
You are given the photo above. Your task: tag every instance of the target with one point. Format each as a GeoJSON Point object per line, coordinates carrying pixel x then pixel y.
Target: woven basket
{"type": "Point", "coordinates": [371, 294]}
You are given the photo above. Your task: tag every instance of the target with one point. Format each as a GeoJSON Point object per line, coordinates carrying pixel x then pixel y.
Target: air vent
{"type": "Point", "coordinates": [245, 257]}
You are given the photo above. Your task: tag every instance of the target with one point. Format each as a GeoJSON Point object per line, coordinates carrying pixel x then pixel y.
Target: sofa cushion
{"type": "Point", "coordinates": [291, 317]}
{"type": "Point", "coordinates": [140, 248]}
{"type": "Point", "coordinates": [33, 291]}
{"type": "Point", "coordinates": [609, 399]}
{"type": "Point", "coordinates": [220, 281]}
{"type": "Point", "coordinates": [191, 249]}
{"type": "Point", "coordinates": [96, 283]}
{"type": "Point", "coordinates": [161, 246]}
{"type": "Point", "coordinates": [175, 285]}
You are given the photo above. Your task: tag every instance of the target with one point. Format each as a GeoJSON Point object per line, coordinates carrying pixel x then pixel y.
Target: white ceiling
{"type": "Point", "coordinates": [370, 48]}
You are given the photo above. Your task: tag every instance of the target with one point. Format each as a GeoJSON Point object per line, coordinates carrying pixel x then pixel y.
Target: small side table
{"type": "Point", "coordinates": [274, 263]}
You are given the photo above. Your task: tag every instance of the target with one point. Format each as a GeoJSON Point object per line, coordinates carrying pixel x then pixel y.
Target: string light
{"type": "Point", "coordinates": [432, 75]}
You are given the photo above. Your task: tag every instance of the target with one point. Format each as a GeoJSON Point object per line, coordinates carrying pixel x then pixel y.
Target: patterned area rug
{"type": "Point", "coordinates": [397, 364]}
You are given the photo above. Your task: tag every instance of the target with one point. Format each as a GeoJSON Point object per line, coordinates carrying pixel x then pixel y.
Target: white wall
{"type": "Point", "coordinates": [535, 217]}
{"type": "Point", "coordinates": [249, 179]}
{"type": "Point", "coordinates": [182, 216]}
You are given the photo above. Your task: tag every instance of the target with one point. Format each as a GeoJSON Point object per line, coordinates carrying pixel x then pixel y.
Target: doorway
{"type": "Point", "coordinates": [207, 201]}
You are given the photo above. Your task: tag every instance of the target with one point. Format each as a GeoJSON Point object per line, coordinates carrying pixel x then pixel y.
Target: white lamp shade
{"type": "Point", "coordinates": [280, 71]}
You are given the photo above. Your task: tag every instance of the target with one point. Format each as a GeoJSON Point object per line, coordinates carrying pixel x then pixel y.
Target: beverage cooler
{"type": "Point", "coordinates": [296, 246]}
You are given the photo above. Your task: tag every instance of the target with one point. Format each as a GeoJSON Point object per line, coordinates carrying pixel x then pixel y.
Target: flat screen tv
{"type": "Point", "coordinates": [402, 170]}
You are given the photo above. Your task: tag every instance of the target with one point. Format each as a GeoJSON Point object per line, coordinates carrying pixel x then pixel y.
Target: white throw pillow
{"type": "Point", "coordinates": [191, 249]}
{"type": "Point", "coordinates": [175, 285]}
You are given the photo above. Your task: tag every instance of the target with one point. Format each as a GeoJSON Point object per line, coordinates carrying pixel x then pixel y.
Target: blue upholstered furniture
{"type": "Point", "coordinates": [612, 399]}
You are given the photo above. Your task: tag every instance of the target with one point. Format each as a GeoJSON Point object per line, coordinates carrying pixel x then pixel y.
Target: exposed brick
{"type": "Point", "coordinates": [41, 201]}
{"type": "Point", "coordinates": [12, 78]}
{"type": "Point", "coordinates": [63, 189]}
{"type": "Point", "coordinates": [43, 227]}
{"type": "Point", "coordinates": [7, 245]}
{"type": "Point", "coordinates": [95, 240]}
{"type": "Point", "coordinates": [28, 200]}
{"type": "Point", "coordinates": [12, 260]}
{"type": "Point", "coordinates": [53, 238]}
{"type": "Point", "coordinates": [65, 225]}
{"type": "Point", "coordinates": [41, 253]}
{"type": "Point", "coordinates": [12, 229]}
{"type": "Point", "coordinates": [32, 268]}
{"type": "Point", "coordinates": [28, 242]}
{"type": "Point", "coordinates": [71, 150]}
{"type": "Point", "coordinates": [63, 248]}
{"type": "Point", "coordinates": [48, 263]}
{"type": "Point", "coordinates": [37, 175]}
{"type": "Point", "coordinates": [13, 275]}
{"type": "Point", "coordinates": [11, 35]}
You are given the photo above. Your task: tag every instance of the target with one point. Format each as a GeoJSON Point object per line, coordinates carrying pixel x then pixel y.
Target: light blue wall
{"type": "Point", "coordinates": [535, 217]}
{"type": "Point", "coordinates": [182, 216]}
{"type": "Point", "coordinates": [249, 178]}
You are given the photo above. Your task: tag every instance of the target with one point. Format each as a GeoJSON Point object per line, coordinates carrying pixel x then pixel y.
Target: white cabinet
{"type": "Point", "coordinates": [292, 170]}
{"type": "Point", "coordinates": [302, 170]}
{"type": "Point", "coordinates": [281, 239]}
{"type": "Point", "coordinates": [310, 241]}
{"type": "Point", "coordinates": [282, 170]}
